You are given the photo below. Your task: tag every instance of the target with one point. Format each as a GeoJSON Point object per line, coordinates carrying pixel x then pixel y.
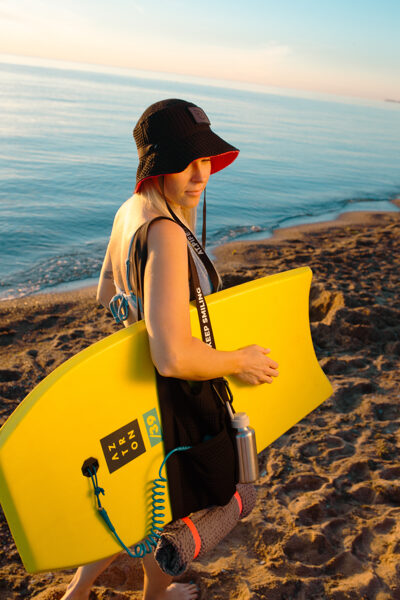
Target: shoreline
{"type": "Point", "coordinates": [362, 217]}
{"type": "Point", "coordinates": [220, 252]}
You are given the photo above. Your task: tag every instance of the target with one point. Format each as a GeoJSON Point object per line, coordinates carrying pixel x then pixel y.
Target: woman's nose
{"type": "Point", "coordinates": [201, 170]}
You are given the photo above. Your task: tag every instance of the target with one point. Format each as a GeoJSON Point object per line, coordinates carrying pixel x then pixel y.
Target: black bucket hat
{"type": "Point", "coordinates": [171, 134]}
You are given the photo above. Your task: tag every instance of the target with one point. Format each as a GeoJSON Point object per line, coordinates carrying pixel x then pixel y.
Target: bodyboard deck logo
{"type": "Point", "coordinates": [122, 446]}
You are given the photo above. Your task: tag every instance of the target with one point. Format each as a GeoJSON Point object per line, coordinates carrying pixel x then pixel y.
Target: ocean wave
{"type": "Point", "coordinates": [50, 272]}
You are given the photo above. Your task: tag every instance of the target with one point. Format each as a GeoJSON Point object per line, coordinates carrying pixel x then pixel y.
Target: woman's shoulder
{"type": "Point", "coordinates": [165, 231]}
{"type": "Point", "coordinates": [166, 244]}
{"type": "Point", "coordinates": [123, 209]}
{"type": "Point", "coordinates": [166, 237]}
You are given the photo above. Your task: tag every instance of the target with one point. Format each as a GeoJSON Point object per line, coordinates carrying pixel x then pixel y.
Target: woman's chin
{"type": "Point", "coordinates": [187, 201]}
{"type": "Point", "coordinates": [192, 199]}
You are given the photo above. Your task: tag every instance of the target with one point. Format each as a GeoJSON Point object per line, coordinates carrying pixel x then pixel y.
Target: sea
{"type": "Point", "coordinates": [68, 161]}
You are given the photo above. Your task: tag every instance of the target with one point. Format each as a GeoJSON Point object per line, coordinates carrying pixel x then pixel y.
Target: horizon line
{"type": "Point", "coordinates": [25, 60]}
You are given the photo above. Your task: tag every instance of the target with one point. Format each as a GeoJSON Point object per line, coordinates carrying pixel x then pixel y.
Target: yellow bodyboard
{"type": "Point", "coordinates": [103, 404]}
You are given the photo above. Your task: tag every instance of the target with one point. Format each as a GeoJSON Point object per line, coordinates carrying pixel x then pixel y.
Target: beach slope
{"type": "Point", "coordinates": [327, 521]}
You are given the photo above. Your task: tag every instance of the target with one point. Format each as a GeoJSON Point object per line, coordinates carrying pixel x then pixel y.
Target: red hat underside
{"type": "Point", "coordinates": [218, 162]}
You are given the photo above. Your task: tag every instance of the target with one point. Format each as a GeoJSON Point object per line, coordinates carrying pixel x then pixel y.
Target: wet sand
{"type": "Point", "coordinates": [327, 521]}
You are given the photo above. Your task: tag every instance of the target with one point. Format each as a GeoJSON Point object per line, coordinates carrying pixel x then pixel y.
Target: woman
{"type": "Point", "coordinates": [177, 153]}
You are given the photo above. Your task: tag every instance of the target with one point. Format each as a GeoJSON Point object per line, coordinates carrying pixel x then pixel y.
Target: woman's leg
{"type": "Point", "coordinates": [158, 585]}
{"type": "Point", "coordinates": [84, 578]}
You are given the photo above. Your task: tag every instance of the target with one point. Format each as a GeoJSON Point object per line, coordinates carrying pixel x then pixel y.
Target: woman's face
{"type": "Point", "coordinates": [185, 188]}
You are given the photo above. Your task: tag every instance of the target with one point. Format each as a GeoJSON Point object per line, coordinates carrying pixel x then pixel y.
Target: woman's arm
{"type": "Point", "coordinates": [174, 351]}
{"type": "Point", "coordinates": [106, 287]}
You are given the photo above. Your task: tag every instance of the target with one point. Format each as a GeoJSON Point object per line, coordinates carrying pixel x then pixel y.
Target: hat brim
{"type": "Point", "coordinates": [174, 158]}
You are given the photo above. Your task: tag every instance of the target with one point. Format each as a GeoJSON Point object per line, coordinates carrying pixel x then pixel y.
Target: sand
{"type": "Point", "coordinates": [327, 521]}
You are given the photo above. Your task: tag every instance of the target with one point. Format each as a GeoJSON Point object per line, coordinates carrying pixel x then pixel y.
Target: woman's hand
{"type": "Point", "coordinates": [256, 366]}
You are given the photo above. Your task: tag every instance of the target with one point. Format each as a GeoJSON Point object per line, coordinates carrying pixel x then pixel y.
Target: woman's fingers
{"type": "Point", "coordinates": [272, 363]}
{"type": "Point", "coordinates": [254, 379]}
{"type": "Point", "coordinates": [258, 367]}
{"type": "Point", "coordinates": [272, 368]}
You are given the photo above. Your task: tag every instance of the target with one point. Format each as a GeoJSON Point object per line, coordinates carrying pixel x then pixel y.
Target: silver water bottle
{"type": "Point", "coordinates": [246, 448]}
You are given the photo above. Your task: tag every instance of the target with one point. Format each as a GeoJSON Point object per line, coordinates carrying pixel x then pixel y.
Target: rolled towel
{"type": "Point", "coordinates": [185, 539]}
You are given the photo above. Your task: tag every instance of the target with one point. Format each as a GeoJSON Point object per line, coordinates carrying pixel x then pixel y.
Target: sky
{"type": "Point", "coordinates": [345, 47]}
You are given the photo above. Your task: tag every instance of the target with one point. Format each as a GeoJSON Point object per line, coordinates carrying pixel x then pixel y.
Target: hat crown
{"type": "Point", "coordinates": [169, 121]}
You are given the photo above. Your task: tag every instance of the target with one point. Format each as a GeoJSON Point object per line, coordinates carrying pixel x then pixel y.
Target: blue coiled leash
{"type": "Point", "coordinates": [90, 468]}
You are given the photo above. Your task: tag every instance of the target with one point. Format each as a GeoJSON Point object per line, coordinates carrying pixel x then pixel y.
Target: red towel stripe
{"type": "Point", "coordinates": [195, 534]}
{"type": "Point", "coordinates": [239, 501]}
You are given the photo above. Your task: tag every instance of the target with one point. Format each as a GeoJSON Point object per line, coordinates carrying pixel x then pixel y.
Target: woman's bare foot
{"type": "Point", "coordinates": [75, 592]}
{"type": "Point", "coordinates": [159, 586]}
{"type": "Point", "coordinates": [81, 583]}
{"type": "Point", "coordinates": [180, 591]}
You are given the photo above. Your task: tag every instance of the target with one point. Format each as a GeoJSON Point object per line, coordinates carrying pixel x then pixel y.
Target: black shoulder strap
{"type": "Point", "coordinates": [201, 305]}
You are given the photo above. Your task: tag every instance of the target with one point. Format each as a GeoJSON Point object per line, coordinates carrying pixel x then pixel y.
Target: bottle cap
{"type": "Point", "coordinates": [240, 419]}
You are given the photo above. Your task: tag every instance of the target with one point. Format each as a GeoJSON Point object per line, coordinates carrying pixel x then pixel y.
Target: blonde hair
{"type": "Point", "coordinates": [150, 200]}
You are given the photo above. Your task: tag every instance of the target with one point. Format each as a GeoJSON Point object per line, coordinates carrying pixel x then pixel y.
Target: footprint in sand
{"type": "Point", "coordinates": [386, 412]}
{"type": "Point", "coordinates": [6, 336]}
{"type": "Point", "coordinates": [363, 493]}
{"type": "Point", "coordinates": [315, 508]}
{"type": "Point", "coordinates": [13, 392]}
{"type": "Point", "coordinates": [327, 449]}
{"type": "Point", "coordinates": [310, 511]}
{"type": "Point", "coordinates": [344, 564]}
{"type": "Point", "coordinates": [390, 473]}
{"type": "Point", "coordinates": [356, 472]}
{"type": "Point", "coordinates": [387, 493]}
{"type": "Point", "coordinates": [8, 375]}
{"type": "Point", "coordinates": [333, 529]}
{"type": "Point", "coordinates": [77, 333]}
{"type": "Point", "coordinates": [306, 498]}
{"type": "Point", "coordinates": [288, 588]}
{"type": "Point", "coordinates": [309, 547]}
{"type": "Point", "coordinates": [349, 397]}
{"type": "Point", "coordinates": [378, 543]}
{"type": "Point", "coordinates": [299, 484]}
{"type": "Point", "coordinates": [46, 323]}
{"type": "Point", "coordinates": [335, 366]}
{"type": "Point", "coordinates": [62, 339]}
